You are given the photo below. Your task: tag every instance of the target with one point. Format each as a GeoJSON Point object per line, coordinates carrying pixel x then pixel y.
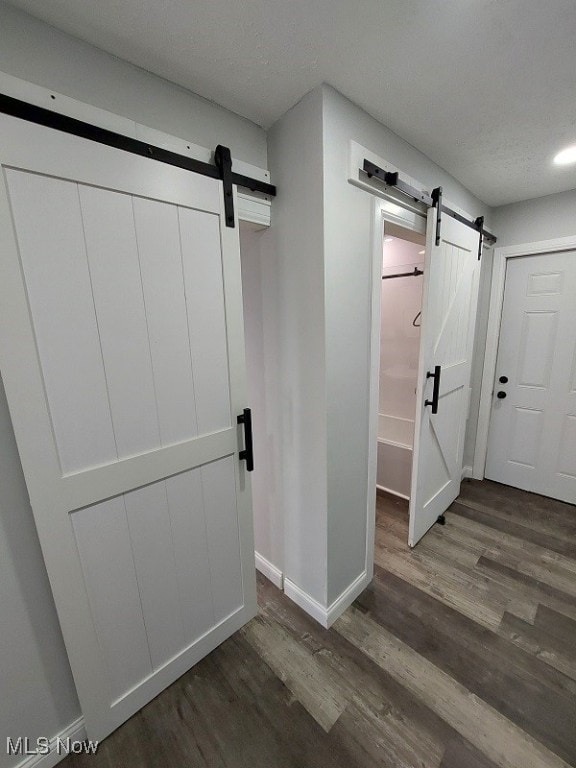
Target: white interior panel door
{"type": "Point", "coordinates": [122, 353]}
{"type": "Point", "coordinates": [450, 296]}
{"type": "Point", "coordinates": [532, 438]}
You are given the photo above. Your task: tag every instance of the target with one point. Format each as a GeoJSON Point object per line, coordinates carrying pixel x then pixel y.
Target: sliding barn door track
{"type": "Point", "coordinates": [221, 169]}
{"type": "Point", "coordinates": [434, 200]}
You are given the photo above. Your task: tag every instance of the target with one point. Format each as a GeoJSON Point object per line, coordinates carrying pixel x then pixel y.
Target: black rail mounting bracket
{"type": "Point", "coordinates": [223, 161]}
{"type": "Point", "coordinates": [480, 227]}
{"type": "Point", "coordinates": [437, 203]}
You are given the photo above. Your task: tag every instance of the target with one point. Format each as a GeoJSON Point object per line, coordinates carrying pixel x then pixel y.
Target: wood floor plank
{"type": "Point", "coordinates": [493, 734]}
{"type": "Point", "coordinates": [379, 711]}
{"type": "Point", "coordinates": [532, 590]}
{"type": "Point", "coordinates": [557, 624]}
{"type": "Point", "coordinates": [472, 533]}
{"type": "Point", "coordinates": [556, 543]}
{"type": "Point", "coordinates": [525, 507]}
{"type": "Point", "coordinates": [291, 729]}
{"type": "Point", "coordinates": [460, 654]}
{"type": "Point", "coordinates": [461, 754]}
{"type": "Point", "coordinates": [470, 594]}
{"type": "Point", "coordinates": [513, 682]}
{"type": "Point", "coordinates": [445, 588]}
{"type": "Point", "coordinates": [540, 643]}
{"type": "Point", "coordinates": [528, 577]}
{"type": "Point", "coordinates": [387, 738]}
{"type": "Point", "coordinates": [322, 695]}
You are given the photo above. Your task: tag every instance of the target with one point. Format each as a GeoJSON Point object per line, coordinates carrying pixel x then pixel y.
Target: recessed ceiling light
{"type": "Point", "coordinates": [566, 157]}
{"type": "Point", "coordinates": [388, 239]}
{"type": "Point", "coordinates": [421, 253]}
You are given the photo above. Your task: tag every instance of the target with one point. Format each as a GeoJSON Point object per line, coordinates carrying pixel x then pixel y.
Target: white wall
{"type": "Point", "coordinates": [348, 256]}
{"type": "Point", "coordinates": [399, 340]}
{"type": "Point", "coordinates": [315, 274]}
{"type": "Point", "coordinates": [543, 218]}
{"type": "Point", "coordinates": [40, 54]}
{"type": "Point", "coordinates": [37, 696]}
{"type": "Point", "coordinates": [292, 274]}
{"type": "Point", "coordinates": [262, 364]}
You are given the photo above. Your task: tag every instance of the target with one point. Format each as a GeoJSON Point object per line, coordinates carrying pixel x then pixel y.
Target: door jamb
{"type": "Point", "coordinates": [501, 256]}
{"type": "Point", "coordinates": [382, 211]}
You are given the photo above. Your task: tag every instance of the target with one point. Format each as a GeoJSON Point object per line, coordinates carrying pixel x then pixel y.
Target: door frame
{"type": "Point", "coordinates": [497, 285]}
{"type": "Point", "coordinates": [383, 211]}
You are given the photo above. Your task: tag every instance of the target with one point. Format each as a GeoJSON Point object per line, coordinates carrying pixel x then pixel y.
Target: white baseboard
{"type": "Point", "coordinates": [347, 597]}
{"type": "Point", "coordinates": [326, 616]}
{"type": "Point", "coordinates": [306, 602]}
{"type": "Point", "coordinates": [272, 573]}
{"type": "Point", "coordinates": [75, 732]}
{"type": "Point", "coordinates": [467, 472]}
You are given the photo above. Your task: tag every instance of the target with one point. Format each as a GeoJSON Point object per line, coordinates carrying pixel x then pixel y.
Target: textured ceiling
{"type": "Point", "coordinates": [486, 88]}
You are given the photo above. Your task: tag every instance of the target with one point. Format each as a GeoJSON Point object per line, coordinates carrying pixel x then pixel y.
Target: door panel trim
{"type": "Point", "coordinates": [90, 486]}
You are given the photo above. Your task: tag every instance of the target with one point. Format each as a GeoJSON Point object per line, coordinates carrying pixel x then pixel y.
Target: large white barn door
{"type": "Point", "coordinates": [450, 295]}
{"type": "Point", "coordinates": [122, 352]}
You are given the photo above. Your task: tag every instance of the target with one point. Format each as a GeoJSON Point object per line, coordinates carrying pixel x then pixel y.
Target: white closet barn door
{"type": "Point", "coordinates": [450, 295]}
{"type": "Point", "coordinates": [122, 353]}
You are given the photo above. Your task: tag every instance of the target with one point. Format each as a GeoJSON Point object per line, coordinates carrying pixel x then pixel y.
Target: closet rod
{"type": "Point", "coordinates": [404, 274]}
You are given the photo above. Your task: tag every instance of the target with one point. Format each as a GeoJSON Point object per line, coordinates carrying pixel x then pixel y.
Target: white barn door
{"type": "Point", "coordinates": [450, 294]}
{"type": "Point", "coordinates": [122, 353]}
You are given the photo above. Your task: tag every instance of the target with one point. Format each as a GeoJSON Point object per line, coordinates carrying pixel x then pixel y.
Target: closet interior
{"type": "Point", "coordinates": [402, 280]}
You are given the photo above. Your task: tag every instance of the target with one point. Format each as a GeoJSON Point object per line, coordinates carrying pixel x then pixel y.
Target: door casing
{"type": "Point", "coordinates": [382, 212]}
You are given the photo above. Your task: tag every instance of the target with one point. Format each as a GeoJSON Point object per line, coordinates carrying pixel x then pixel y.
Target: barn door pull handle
{"type": "Point", "coordinates": [436, 390]}
{"type": "Point", "coordinates": [248, 454]}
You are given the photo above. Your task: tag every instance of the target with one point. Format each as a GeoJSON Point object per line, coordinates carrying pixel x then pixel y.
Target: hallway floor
{"type": "Point", "coordinates": [460, 654]}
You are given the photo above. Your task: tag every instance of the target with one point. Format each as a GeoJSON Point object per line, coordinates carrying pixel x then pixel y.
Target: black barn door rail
{"type": "Point", "coordinates": [391, 179]}
{"type": "Point", "coordinates": [221, 170]}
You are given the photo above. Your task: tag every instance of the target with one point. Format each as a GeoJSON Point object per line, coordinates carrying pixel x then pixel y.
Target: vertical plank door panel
{"type": "Point", "coordinates": [103, 541]}
{"type": "Point", "coordinates": [161, 269]}
{"type": "Point", "coordinates": [113, 258]}
{"type": "Point", "coordinates": [153, 548]}
{"type": "Point", "coordinates": [200, 240]}
{"type": "Point", "coordinates": [218, 483]}
{"type": "Point", "coordinates": [53, 257]}
{"type": "Point", "coordinates": [187, 513]}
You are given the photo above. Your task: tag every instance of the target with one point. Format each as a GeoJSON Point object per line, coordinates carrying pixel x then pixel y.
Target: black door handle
{"type": "Point", "coordinates": [436, 390]}
{"type": "Point", "coordinates": [248, 453]}
{"type": "Point", "coordinates": [501, 395]}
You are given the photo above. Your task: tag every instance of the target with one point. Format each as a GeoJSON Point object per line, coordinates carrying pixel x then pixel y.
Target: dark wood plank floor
{"type": "Point", "coordinates": [460, 654]}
